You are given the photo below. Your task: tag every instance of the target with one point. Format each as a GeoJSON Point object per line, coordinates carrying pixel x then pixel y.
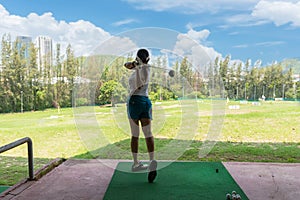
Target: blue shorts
{"type": "Point", "coordinates": [139, 107]}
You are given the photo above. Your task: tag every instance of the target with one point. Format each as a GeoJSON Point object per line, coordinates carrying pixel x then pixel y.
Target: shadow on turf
{"type": "Point", "coordinates": [221, 151]}
{"type": "Point", "coordinates": [14, 169]}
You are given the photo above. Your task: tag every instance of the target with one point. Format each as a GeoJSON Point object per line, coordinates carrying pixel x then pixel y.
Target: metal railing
{"type": "Point", "coordinates": [30, 152]}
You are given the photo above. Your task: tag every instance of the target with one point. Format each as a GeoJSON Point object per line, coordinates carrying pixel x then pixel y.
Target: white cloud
{"type": "Point", "coordinates": [243, 20]}
{"type": "Point", "coordinates": [86, 38]}
{"type": "Point", "coordinates": [242, 46]}
{"type": "Point", "coordinates": [251, 12]}
{"type": "Point", "coordinates": [198, 36]}
{"type": "Point", "coordinates": [82, 35]}
{"type": "Point", "coordinates": [124, 22]}
{"type": "Point", "coordinates": [191, 25]}
{"type": "Point", "coordinates": [190, 45]}
{"type": "Point", "coordinates": [264, 44]}
{"type": "Point", "coordinates": [278, 12]}
{"type": "Point", "coordinates": [269, 43]}
{"type": "Point", "coordinates": [192, 6]}
{"type": "Point", "coordinates": [118, 46]}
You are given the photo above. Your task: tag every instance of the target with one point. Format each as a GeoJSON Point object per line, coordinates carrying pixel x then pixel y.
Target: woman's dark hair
{"type": "Point", "coordinates": [143, 55]}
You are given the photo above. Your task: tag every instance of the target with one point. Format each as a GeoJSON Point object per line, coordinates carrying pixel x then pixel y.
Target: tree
{"type": "Point", "coordinates": [57, 76]}
{"type": "Point", "coordinates": [33, 77]}
{"type": "Point", "coordinates": [288, 85]}
{"type": "Point", "coordinates": [16, 77]}
{"type": "Point", "coordinates": [297, 90]}
{"type": "Point", "coordinates": [6, 61]}
{"type": "Point", "coordinates": [254, 81]}
{"type": "Point", "coordinates": [185, 69]}
{"type": "Point", "coordinates": [231, 81]}
{"type": "Point", "coordinates": [70, 72]}
{"type": "Point", "coordinates": [112, 92]}
{"type": "Point", "coordinates": [217, 82]}
{"type": "Point", "coordinates": [239, 81]}
{"type": "Point", "coordinates": [246, 79]}
{"type": "Point", "coordinates": [224, 69]}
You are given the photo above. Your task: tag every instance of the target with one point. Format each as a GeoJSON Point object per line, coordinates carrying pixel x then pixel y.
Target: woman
{"type": "Point", "coordinates": [139, 109]}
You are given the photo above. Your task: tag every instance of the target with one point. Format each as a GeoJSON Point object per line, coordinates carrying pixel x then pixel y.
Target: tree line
{"type": "Point", "coordinates": [254, 82]}
{"type": "Point", "coordinates": [26, 86]}
{"type": "Point", "coordinates": [219, 79]}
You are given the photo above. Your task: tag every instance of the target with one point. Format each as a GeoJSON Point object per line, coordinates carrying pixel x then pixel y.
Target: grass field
{"type": "Point", "coordinates": [269, 132]}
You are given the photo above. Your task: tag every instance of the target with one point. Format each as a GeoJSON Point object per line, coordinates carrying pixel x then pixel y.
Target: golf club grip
{"type": "Point", "coordinates": [130, 65]}
{"type": "Point", "coordinates": [127, 63]}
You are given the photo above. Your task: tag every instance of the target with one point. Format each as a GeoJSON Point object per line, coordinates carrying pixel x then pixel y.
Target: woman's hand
{"type": "Point", "coordinates": [130, 65]}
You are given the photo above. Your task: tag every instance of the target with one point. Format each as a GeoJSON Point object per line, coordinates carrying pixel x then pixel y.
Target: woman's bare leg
{"type": "Point", "coordinates": [134, 126]}
{"type": "Point", "coordinates": [146, 127]}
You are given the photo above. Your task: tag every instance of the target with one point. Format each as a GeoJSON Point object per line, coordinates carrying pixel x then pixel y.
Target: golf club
{"type": "Point", "coordinates": [171, 72]}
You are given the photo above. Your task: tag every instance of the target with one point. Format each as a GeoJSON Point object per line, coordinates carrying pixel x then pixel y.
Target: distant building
{"type": "Point", "coordinates": [44, 52]}
{"type": "Point", "coordinates": [24, 42]}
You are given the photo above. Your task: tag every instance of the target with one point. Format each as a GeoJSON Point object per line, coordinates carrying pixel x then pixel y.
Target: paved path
{"type": "Point", "coordinates": [89, 179]}
{"type": "Point", "coordinates": [72, 180]}
{"type": "Point", "coordinates": [263, 181]}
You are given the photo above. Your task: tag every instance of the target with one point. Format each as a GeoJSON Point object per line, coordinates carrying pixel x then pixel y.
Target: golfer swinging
{"type": "Point", "coordinates": [139, 109]}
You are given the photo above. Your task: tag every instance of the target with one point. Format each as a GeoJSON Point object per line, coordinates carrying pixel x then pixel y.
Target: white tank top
{"type": "Point", "coordinates": [139, 80]}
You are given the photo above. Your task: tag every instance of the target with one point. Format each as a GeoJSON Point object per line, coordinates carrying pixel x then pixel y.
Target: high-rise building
{"type": "Point", "coordinates": [24, 42]}
{"type": "Point", "coordinates": [44, 52]}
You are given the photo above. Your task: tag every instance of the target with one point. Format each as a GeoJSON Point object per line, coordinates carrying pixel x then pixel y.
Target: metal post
{"type": "Point", "coordinates": [30, 159]}
{"type": "Point", "coordinates": [30, 152]}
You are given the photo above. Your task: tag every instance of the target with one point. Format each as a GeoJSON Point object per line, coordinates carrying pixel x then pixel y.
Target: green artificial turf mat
{"type": "Point", "coordinates": [177, 180]}
{"type": "Point", "coordinates": [3, 188]}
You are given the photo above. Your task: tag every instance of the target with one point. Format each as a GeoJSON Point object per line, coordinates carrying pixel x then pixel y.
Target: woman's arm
{"type": "Point", "coordinates": [130, 65]}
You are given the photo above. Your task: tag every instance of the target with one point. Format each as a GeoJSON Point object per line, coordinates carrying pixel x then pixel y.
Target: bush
{"type": "Point", "coordinates": [112, 92]}
{"type": "Point", "coordinates": [289, 94]}
{"type": "Point", "coordinates": [161, 94]}
{"type": "Point", "coordinates": [81, 102]}
{"type": "Point", "coordinates": [195, 95]}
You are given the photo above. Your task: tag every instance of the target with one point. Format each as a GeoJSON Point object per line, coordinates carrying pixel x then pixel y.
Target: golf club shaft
{"type": "Point", "coordinates": [171, 72]}
{"type": "Point", "coordinates": [134, 63]}
{"type": "Point", "coordinates": [160, 68]}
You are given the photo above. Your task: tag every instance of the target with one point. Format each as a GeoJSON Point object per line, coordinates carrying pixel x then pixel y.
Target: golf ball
{"type": "Point", "coordinates": [228, 196]}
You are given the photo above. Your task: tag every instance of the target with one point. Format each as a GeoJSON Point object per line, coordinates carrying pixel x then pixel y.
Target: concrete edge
{"type": "Point", "coordinates": [48, 167]}
{"type": "Point", "coordinates": [25, 183]}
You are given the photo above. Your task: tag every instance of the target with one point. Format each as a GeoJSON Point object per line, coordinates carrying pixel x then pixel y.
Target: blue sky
{"type": "Point", "coordinates": [264, 30]}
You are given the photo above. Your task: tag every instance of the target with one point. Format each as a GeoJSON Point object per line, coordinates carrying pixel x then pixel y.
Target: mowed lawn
{"type": "Point", "coordinates": [233, 131]}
